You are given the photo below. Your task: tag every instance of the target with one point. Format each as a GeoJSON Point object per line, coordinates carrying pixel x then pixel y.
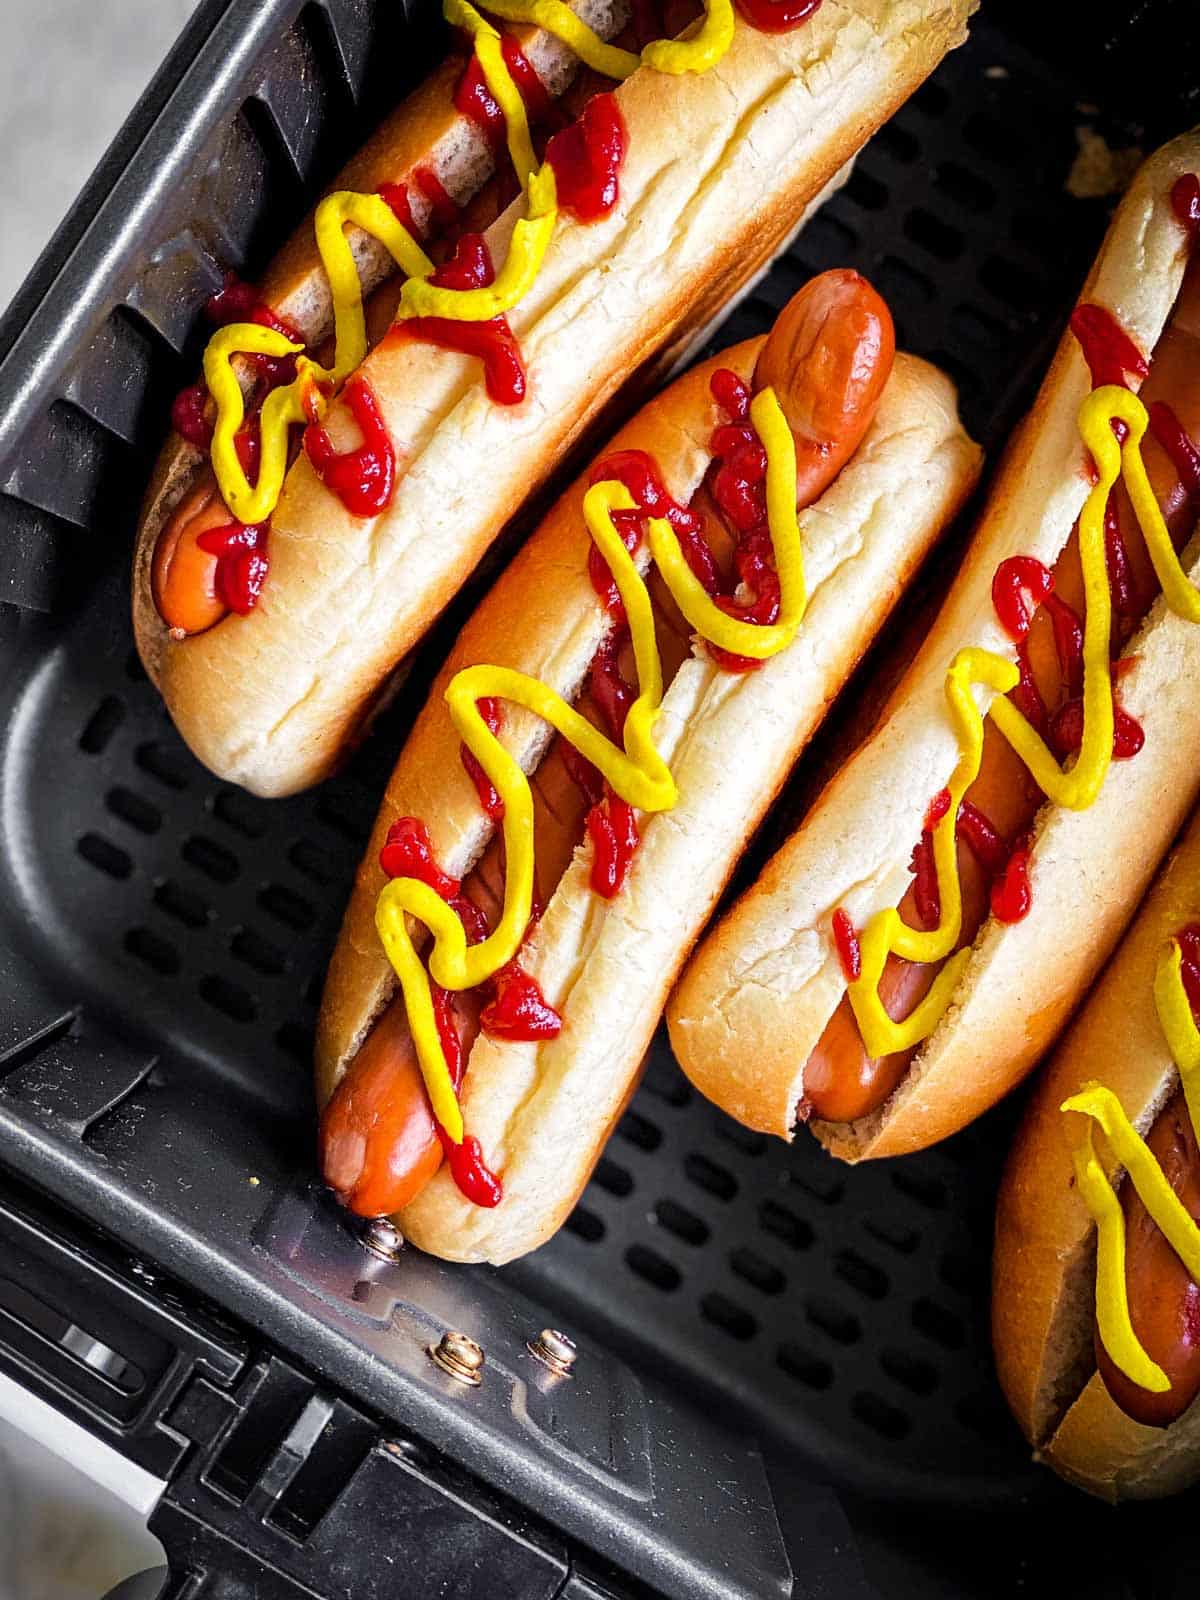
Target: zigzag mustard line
{"type": "Point", "coordinates": [1075, 788]}
{"type": "Point", "coordinates": [1100, 1106]}
{"type": "Point", "coordinates": [306, 398]}
{"type": "Point", "coordinates": [635, 770]}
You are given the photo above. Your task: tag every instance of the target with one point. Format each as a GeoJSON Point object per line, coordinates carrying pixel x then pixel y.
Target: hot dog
{"type": "Point", "coordinates": [917, 944]}
{"type": "Point", "coordinates": [747, 623]}
{"type": "Point", "coordinates": [356, 498]}
{"type": "Point", "coordinates": [1106, 1393]}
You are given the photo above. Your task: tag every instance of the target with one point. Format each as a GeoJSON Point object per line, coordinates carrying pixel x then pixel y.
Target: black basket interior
{"type": "Point", "coordinates": [163, 936]}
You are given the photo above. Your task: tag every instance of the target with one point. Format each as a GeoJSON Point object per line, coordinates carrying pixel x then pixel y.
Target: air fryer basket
{"type": "Point", "coordinates": [784, 1363]}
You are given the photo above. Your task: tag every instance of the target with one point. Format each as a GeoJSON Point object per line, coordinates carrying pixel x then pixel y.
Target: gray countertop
{"type": "Point", "coordinates": [70, 71]}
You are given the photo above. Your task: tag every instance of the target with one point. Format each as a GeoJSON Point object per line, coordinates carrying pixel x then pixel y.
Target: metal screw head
{"type": "Point", "coordinates": [458, 1355]}
{"type": "Point", "coordinates": [554, 1350]}
{"type": "Point", "coordinates": [383, 1239]}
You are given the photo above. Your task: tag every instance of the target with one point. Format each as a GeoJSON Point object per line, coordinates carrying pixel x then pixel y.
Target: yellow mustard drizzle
{"type": "Point", "coordinates": [1075, 788]}
{"type": "Point", "coordinates": [636, 772]}
{"type": "Point", "coordinates": [307, 397]}
{"type": "Point", "coordinates": [1101, 1107]}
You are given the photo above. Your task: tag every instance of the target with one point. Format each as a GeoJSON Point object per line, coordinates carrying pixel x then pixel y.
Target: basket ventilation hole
{"type": "Point", "coordinates": [105, 857]}
{"type": "Point", "coordinates": [210, 858]}
{"type": "Point", "coordinates": [730, 1318]}
{"type": "Point", "coordinates": [228, 998]}
{"type": "Point", "coordinates": [312, 861]}
{"type": "Point", "coordinates": [894, 1234]}
{"type": "Point", "coordinates": [154, 952]}
{"type": "Point", "coordinates": [181, 904]}
{"type": "Point", "coordinates": [585, 1225]}
{"type": "Point", "coordinates": [965, 188]}
{"type": "Point", "coordinates": [841, 1326]}
{"type": "Point", "coordinates": [640, 1131]}
{"type": "Point", "coordinates": [861, 1274]}
{"type": "Point", "coordinates": [101, 725]}
{"type": "Point", "coordinates": [161, 762]}
{"type": "Point", "coordinates": [785, 1225]}
{"type": "Point", "coordinates": [240, 812]}
{"type": "Point", "coordinates": [684, 1224]}
{"type": "Point", "coordinates": [613, 1179]}
{"type": "Point", "coordinates": [707, 1175]}
{"type": "Point", "coordinates": [291, 909]}
{"type": "Point", "coordinates": [880, 1416]}
{"type": "Point", "coordinates": [134, 810]}
{"type": "Point", "coordinates": [258, 952]}
{"type": "Point", "coordinates": [910, 1371]}
{"type": "Point", "coordinates": [666, 1083]}
{"type": "Point", "coordinates": [747, 1140]}
{"type": "Point", "coordinates": [812, 1371]}
{"type": "Point", "coordinates": [762, 1274]}
{"type": "Point", "coordinates": [652, 1268]}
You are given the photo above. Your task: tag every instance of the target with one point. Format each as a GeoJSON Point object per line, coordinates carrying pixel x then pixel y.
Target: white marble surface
{"type": "Point", "coordinates": [70, 71]}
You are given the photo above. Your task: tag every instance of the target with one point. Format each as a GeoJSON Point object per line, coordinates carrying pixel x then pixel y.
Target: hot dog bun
{"type": "Point", "coordinates": [425, 131]}
{"type": "Point", "coordinates": [1043, 1298]}
{"type": "Point", "coordinates": [347, 596]}
{"type": "Point", "coordinates": [543, 1112]}
{"type": "Point", "coordinates": [758, 995]}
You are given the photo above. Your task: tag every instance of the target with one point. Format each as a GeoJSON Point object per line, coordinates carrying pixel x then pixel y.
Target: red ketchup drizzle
{"type": "Point", "coordinates": [362, 479]}
{"type": "Point", "coordinates": [1184, 456]}
{"type": "Point", "coordinates": [731, 393]}
{"type": "Point", "coordinates": [1110, 353]}
{"type": "Point", "coordinates": [242, 563]}
{"type": "Point", "coordinates": [738, 485]}
{"type": "Point", "coordinates": [587, 156]}
{"type": "Point", "coordinates": [472, 1176]}
{"type": "Point", "coordinates": [611, 824]}
{"type": "Point", "coordinates": [492, 712]}
{"type": "Point", "coordinates": [611, 691]}
{"type": "Point", "coordinates": [518, 1009]}
{"type": "Point", "coordinates": [777, 16]}
{"type": "Point", "coordinates": [474, 99]}
{"type": "Point", "coordinates": [978, 831]}
{"type": "Point", "coordinates": [235, 301]}
{"type": "Point", "coordinates": [1185, 202]}
{"type": "Point", "coordinates": [1012, 895]}
{"type": "Point", "coordinates": [397, 197]}
{"type": "Point", "coordinates": [845, 938]}
{"type": "Point", "coordinates": [1009, 868]}
{"type": "Point", "coordinates": [1116, 560]}
{"type": "Point", "coordinates": [639, 473]}
{"type": "Point", "coordinates": [612, 828]}
{"type": "Point", "coordinates": [407, 853]}
{"type": "Point", "coordinates": [188, 418]}
{"type": "Point", "coordinates": [1189, 948]}
{"type": "Point", "coordinates": [443, 211]}
{"type": "Point", "coordinates": [492, 342]}
{"type": "Point", "coordinates": [1066, 731]}
{"type": "Point", "coordinates": [238, 301]}
{"type": "Point", "coordinates": [1021, 584]}
{"type": "Point", "coordinates": [926, 896]}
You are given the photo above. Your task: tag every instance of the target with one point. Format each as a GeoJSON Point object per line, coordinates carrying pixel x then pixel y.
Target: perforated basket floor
{"type": "Point", "coordinates": [840, 1313]}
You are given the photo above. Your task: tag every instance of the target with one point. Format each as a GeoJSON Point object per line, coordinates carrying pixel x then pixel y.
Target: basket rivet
{"type": "Point", "coordinates": [458, 1355]}
{"type": "Point", "coordinates": [554, 1350]}
{"type": "Point", "coordinates": [383, 1239]}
